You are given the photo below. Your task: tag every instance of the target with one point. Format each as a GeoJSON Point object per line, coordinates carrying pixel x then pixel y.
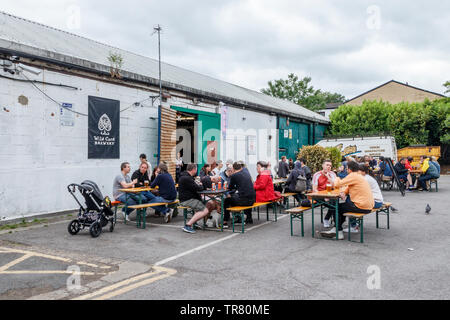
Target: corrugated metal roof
{"type": "Point", "coordinates": [20, 34]}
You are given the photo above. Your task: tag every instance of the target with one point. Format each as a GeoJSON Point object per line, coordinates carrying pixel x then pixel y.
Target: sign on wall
{"type": "Point", "coordinates": [251, 145]}
{"type": "Point", "coordinates": [103, 128]}
{"type": "Point", "coordinates": [66, 117]}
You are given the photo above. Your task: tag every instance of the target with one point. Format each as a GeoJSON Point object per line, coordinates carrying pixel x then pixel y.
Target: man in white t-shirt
{"type": "Point", "coordinates": [217, 170]}
{"type": "Point", "coordinates": [377, 195]}
{"type": "Point", "coordinates": [123, 181]}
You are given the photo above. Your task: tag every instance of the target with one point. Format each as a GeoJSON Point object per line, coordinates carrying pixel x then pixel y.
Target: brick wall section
{"type": "Point", "coordinates": [394, 93]}
{"type": "Point", "coordinates": [39, 157]}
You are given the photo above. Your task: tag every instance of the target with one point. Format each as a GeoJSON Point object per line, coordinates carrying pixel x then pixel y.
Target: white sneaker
{"type": "Point", "coordinates": [332, 233]}
{"type": "Point", "coordinates": [168, 216]}
{"type": "Point", "coordinates": [352, 230]}
{"type": "Point", "coordinates": [125, 216]}
{"type": "Point", "coordinates": [326, 223]}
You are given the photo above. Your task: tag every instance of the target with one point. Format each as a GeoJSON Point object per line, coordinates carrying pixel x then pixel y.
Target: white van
{"type": "Point", "coordinates": [372, 146]}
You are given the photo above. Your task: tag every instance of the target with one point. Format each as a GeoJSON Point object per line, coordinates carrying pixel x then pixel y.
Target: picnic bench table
{"type": "Point", "coordinates": [218, 195]}
{"type": "Point", "coordinates": [320, 199]}
{"type": "Point", "coordinates": [279, 181]}
{"type": "Point", "coordinates": [138, 192]}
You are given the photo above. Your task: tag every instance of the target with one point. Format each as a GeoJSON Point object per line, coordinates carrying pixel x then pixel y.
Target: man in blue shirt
{"type": "Point", "coordinates": [385, 168]}
{"type": "Point", "coordinates": [436, 164]}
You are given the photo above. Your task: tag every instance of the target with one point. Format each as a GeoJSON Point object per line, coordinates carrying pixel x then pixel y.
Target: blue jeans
{"type": "Point", "coordinates": [423, 180]}
{"type": "Point", "coordinates": [128, 200]}
{"type": "Point", "coordinates": [148, 197]}
{"type": "Point", "coordinates": [378, 205]}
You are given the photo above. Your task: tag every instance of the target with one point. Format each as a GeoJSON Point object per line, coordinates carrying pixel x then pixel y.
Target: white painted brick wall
{"type": "Point", "coordinates": [256, 123]}
{"type": "Point", "coordinates": [39, 158]}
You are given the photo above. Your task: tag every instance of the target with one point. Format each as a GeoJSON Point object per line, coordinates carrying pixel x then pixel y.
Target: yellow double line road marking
{"type": "Point", "coordinates": [125, 286]}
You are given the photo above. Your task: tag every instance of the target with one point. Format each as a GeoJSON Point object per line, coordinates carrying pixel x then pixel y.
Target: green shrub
{"type": "Point", "coordinates": [314, 156]}
{"type": "Point", "coordinates": [409, 123]}
{"type": "Point", "coordinates": [335, 156]}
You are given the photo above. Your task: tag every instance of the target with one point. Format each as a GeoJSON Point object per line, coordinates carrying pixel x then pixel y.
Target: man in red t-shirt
{"type": "Point", "coordinates": [320, 181]}
{"type": "Point", "coordinates": [323, 177]}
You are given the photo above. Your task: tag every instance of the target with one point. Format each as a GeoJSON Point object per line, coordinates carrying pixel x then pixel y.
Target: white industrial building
{"type": "Point", "coordinates": [45, 72]}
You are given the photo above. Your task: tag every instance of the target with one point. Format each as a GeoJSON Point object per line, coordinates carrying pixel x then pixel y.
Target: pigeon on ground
{"type": "Point", "coordinates": [394, 209]}
{"type": "Point", "coordinates": [427, 209]}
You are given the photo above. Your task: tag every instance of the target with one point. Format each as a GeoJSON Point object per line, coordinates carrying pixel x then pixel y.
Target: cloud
{"type": "Point", "coordinates": [346, 46]}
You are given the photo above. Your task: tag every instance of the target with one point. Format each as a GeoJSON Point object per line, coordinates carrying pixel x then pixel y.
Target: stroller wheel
{"type": "Point", "coordinates": [74, 227]}
{"type": "Point", "coordinates": [95, 229]}
{"type": "Point", "coordinates": [111, 227]}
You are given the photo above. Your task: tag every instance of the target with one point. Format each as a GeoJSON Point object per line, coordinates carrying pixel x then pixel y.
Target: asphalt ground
{"type": "Point", "coordinates": [409, 261]}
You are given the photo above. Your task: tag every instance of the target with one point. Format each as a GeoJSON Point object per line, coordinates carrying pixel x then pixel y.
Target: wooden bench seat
{"type": "Point", "coordinates": [235, 211]}
{"type": "Point", "coordinates": [142, 210]}
{"type": "Point", "coordinates": [359, 218]}
{"type": "Point", "coordinates": [298, 210]}
{"type": "Point", "coordinates": [435, 181]}
{"type": "Point", "coordinates": [147, 205]}
{"type": "Point", "coordinates": [297, 213]}
{"type": "Point", "coordinates": [255, 205]}
{"type": "Point", "coordinates": [287, 195]}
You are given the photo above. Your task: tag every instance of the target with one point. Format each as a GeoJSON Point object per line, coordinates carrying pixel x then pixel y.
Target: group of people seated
{"type": "Point", "coordinates": [428, 166]}
{"type": "Point", "coordinates": [360, 192]}
{"type": "Point", "coordinates": [355, 178]}
{"type": "Point", "coordinates": [161, 179]}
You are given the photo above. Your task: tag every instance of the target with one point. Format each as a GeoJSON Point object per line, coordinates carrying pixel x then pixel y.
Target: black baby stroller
{"type": "Point", "coordinates": [97, 212]}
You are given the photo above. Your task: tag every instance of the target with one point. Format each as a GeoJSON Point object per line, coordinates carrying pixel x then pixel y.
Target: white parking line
{"type": "Point", "coordinates": [162, 262]}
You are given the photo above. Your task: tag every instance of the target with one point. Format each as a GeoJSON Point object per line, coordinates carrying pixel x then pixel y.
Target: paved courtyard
{"type": "Point", "coordinates": [409, 261]}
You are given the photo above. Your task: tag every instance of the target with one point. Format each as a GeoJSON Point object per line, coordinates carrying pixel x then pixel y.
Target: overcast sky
{"type": "Point", "coordinates": [346, 46]}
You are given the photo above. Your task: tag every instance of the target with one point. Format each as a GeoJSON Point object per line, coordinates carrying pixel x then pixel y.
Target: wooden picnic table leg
{"type": "Point", "coordinates": [232, 219]}
{"type": "Point", "coordinates": [301, 216]}
{"type": "Point", "coordinates": [222, 200]}
{"type": "Point", "coordinates": [337, 218]}
{"type": "Point", "coordinates": [139, 212]}
{"type": "Point", "coordinates": [312, 215]}
{"type": "Point", "coordinates": [292, 229]}
{"type": "Point", "coordinates": [126, 208]}
{"type": "Point", "coordinates": [275, 206]}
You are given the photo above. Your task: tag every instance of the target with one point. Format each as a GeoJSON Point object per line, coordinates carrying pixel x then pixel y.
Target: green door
{"type": "Point", "coordinates": [292, 137]}
{"type": "Point", "coordinates": [207, 133]}
{"type": "Point", "coordinates": [319, 133]}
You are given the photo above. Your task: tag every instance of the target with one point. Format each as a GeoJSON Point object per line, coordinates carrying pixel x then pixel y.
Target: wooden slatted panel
{"type": "Point", "coordinates": [168, 138]}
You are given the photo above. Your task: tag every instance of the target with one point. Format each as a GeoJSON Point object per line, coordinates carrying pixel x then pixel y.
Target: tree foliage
{"type": "Point", "coordinates": [301, 92]}
{"type": "Point", "coordinates": [447, 87]}
{"type": "Point", "coordinates": [409, 123]}
{"type": "Point", "coordinates": [315, 155]}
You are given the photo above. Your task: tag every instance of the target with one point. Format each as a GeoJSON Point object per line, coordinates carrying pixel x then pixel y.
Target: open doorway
{"type": "Point", "coordinates": [186, 137]}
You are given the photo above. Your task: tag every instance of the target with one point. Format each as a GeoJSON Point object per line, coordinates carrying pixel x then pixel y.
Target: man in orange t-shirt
{"type": "Point", "coordinates": [361, 198]}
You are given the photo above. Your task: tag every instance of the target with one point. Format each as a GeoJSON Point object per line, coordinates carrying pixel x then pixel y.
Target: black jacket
{"type": "Point", "coordinates": [283, 169]}
{"type": "Point", "coordinates": [140, 177]}
{"type": "Point", "coordinates": [242, 183]}
{"type": "Point", "coordinates": [400, 168]}
{"type": "Point", "coordinates": [188, 188]}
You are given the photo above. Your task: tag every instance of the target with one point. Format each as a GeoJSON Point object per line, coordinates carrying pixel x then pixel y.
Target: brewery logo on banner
{"type": "Point", "coordinates": [104, 128]}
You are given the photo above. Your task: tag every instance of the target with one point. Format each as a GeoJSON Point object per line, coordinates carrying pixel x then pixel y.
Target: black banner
{"type": "Point", "coordinates": [103, 128]}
